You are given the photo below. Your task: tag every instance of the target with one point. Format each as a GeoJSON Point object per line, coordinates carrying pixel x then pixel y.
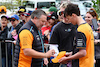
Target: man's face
{"type": "Point", "coordinates": [21, 15]}
{"type": "Point", "coordinates": [14, 22]}
{"type": "Point", "coordinates": [71, 19]}
{"type": "Point", "coordinates": [4, 22]}
{"type": "Point", "coordinates": [51, 21]}
{"type": "Point", "coordinates": [41, 21]}
{"type": "Point", "coordinates": [27, 18]}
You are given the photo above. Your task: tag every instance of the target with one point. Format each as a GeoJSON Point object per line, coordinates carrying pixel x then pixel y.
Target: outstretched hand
{"type": "Point", "coordinates": [63, 60]}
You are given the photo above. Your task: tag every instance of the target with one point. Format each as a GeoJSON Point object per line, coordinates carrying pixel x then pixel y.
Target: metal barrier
{"type": "Point", "coordinates": [47, 45]}
{"type": "Point", "coordinates": [6, 41]}
{"type": "Point", "coordinates": [0, 56]}
{"type": "Point", "coordinates": [10, 41]}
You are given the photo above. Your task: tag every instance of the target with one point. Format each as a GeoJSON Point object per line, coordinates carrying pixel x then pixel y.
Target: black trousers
{"type": "Point", "coordinates": [53, 65]}
{"type": "Point", "coordinates": [97, 63]}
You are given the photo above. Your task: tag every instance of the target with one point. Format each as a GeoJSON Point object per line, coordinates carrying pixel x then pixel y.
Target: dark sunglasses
{"type": "Point", "coordinates": [61, 12]}
{"type": "Point", "coordinates": [21, 14]}
{"type": "Point", "coordinates": [12, 19]}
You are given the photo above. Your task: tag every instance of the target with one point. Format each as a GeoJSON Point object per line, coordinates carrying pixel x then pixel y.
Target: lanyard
{"type": "Point", "coordinates": [41, 42]}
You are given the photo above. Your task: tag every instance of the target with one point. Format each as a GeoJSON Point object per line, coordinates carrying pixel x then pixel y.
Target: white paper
{"type": "Point", "coordinates": [55, 47]}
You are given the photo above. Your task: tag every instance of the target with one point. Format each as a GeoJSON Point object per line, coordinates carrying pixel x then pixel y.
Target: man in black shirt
{"type": "Point", "coordinates": [63, 35]}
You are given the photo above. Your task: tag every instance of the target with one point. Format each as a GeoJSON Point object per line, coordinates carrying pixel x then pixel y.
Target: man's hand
{"type": "Point", "coordinates": [45, 61]}
{"type": "Point", "coordinates": [50, 53]}
{"type": "Point", "coordinates": [14, 33]}
{"type": "Point", "coordinates": [63, 60]}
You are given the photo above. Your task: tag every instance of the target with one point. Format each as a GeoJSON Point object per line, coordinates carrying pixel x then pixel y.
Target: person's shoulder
{"type": "Point", "coordinates": [83, 26]}
{"type": "Point", "coordinates": [25, 32]}
{"type": "Point", "coordinates": [58, 25]}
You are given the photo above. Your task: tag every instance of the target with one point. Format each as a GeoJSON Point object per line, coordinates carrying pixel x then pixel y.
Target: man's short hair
{"type": "Point", "coordinates": [38, 13]}
{"type": "Point", "coordinates": [72, 8]}
{"type": "Point", "coordinates": [64, 5]}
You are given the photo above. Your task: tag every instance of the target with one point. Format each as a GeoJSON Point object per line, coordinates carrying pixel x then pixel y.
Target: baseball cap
{"type": "Point", "coordinates": [54, 9]}
{"type": "Point", "coordinates": [28, 13]}
{"type": "Point", "coordinates": [52, 15]}
{"type": "Point", "coordinates": [60, 55]}
{"type": "Point", "coordinates": [15, 16]}
{"type": "Point", "coordinates": [3, 9]}
{"type": "Point", "coordinates": [4, 16]}
{"type": "Point", "coordinates": [22, 9]}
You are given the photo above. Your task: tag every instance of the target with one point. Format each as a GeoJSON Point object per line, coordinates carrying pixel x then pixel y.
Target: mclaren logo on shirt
{"type": "Point", "coordinates": [68, 30]}
{"type": "Point", "coordinates": [37, 37]}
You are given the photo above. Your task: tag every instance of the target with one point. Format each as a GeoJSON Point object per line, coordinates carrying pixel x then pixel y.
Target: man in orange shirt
{"type": "Point", "coordinates": [83, 48]}
{"type": "Point", "coordinates": [29, 47]}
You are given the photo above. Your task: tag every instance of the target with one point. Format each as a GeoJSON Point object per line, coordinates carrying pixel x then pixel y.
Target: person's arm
{"type": "Point", "coordinates": [35, 54]}
{"type": "Point", "coordinates": [26, 40]}
{"type": "Point", "coordinates": [78, 55]}
{"type": "Point", "coordinates": [81, 46]}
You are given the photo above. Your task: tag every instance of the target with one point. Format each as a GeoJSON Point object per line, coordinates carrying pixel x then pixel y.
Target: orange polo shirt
{"type": "Point", "coordinates": [88, 60]}
{"type": "Point", "coordinates": [26, 40]}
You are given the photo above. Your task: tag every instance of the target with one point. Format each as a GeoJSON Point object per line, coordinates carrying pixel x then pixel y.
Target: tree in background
{"type": "Point", "coordinates": [12, 5]}
{"type": "Point", "coordinates": [96, 5]}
